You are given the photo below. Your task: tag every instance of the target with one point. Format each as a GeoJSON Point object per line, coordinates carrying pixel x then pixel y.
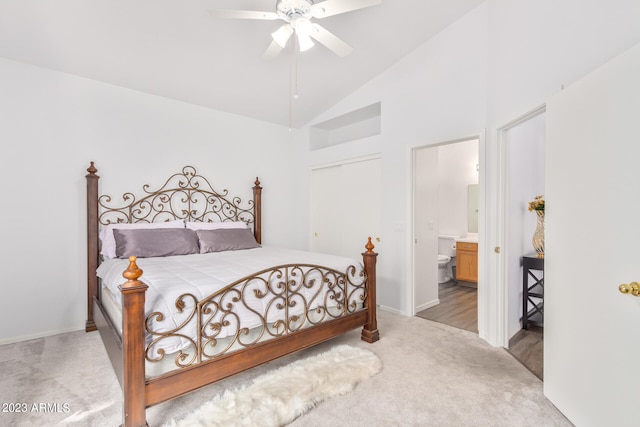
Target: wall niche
{"type": "Point", "coordinates": [354, 125]}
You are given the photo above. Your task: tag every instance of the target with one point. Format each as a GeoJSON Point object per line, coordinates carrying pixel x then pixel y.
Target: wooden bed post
{"type": "Point", "coordinates": [257, 211]}
{"type": "Point", "coordinates": [133, 345]}
{"type": "Point", "coordinates": [92, 243]}
{"type": "Point", "coordinates": [370, 331]}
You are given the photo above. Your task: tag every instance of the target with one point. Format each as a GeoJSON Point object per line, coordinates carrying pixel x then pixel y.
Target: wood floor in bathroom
{"type": "Point", "coordinates": [459, 308]}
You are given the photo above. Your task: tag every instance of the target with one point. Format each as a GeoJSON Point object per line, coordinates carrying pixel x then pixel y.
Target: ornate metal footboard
{"type": "Point", "coordinates": [271, 303]}
{"type": "Point", "coordinates": [286, 330]}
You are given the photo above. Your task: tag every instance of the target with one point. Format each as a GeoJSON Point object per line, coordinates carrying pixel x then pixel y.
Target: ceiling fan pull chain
{"type": "Point", "coordinates": [292, 61]}
{"type": "Point", "coordinates": [295, 75]}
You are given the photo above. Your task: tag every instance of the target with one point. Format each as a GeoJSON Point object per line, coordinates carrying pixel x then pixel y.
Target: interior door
{"type": "Point", "coordinates": [325, 212]}
{"type": "Point", "coordinates": [592, 331]}
{"type": "Point", "coordinates": [345, 207]}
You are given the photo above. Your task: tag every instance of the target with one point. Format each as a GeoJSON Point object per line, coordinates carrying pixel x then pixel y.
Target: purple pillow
{"type": "Point", "coordinates": [226, 239]}
{"type": "Point", "coordinates": [155, 242]}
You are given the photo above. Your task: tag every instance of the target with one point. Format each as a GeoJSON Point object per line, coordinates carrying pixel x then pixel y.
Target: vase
{"type": "Point", "coordinates": [538, 235]}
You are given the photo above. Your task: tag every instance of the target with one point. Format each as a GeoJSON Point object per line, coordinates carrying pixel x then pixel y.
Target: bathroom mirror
{"type": "Point", "coordinates": [472, 206]}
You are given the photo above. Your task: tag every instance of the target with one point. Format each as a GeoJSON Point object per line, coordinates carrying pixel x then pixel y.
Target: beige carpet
{"type": "Point", "coordinates": [433, 375]}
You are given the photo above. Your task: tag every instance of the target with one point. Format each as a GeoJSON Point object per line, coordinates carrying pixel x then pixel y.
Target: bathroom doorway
{"type": "Point", "coordinates": [445, 224]}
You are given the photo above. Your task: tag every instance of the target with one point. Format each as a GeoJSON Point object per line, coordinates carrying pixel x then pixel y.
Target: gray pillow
{"type": "Point", "coordinates": [226, 239]}
{"type": "Point", "coordinates": [155, 242]}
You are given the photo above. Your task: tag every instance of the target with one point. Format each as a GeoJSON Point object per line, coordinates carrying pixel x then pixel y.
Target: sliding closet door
{"type": "Point", "coordinates": [325, 210]}
{"type": "Point", "coordinates": [345, 207]}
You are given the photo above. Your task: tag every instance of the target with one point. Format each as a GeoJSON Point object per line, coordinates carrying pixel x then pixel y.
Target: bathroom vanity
{"type": "Point", "coordinates": [467, 260]}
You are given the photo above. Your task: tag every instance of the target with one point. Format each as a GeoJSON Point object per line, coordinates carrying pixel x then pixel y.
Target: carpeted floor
{"type": "Point", "coordinates": [433, 375]}
{"type": "Point", "coordinates": [459, 308]}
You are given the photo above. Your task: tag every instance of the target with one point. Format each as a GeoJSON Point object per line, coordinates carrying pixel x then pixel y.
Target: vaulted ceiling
{"type": "Point", "coordinates": [176, 49]}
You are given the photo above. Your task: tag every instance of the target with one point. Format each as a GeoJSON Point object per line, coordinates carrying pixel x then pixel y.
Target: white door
{"type": "Point", "coordinates": [325, 209]}
{"type": "Point", "coordinates": [592, 331]}
{"type": "Point", "coordinates": [345, 207]}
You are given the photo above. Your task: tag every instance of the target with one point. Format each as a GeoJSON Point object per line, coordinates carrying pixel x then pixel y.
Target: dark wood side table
{"type": "Point", "coordinates": [532, 291]}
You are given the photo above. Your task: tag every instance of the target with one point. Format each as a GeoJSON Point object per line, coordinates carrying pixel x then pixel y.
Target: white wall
{"type": "Point", "coordinates": [456, 170]}
{"type": "Point", "coordinates": [53, 124]}
{"type": "Point", "coordinates": [435, 94]}
{"type": "Point", "coordinates": [536, 48]}
{"type": "Point", "coordinates": [501, 61]}
{"type": "Point", "coordinates": [498, 62]}
{"type": "Point", "coordinates": [525, 147]}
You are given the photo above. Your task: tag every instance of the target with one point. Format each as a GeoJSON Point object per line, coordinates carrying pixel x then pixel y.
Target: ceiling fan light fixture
{"type": "Point", "coordinates": [298, 16]}
{"type": "Point", "coordinates": [302, 26]}
{"type": "Point", "coordinates": [282, 35]}
{"type": "Point", "coordinates": [305, 42]}
{"type": "Point", "coordinates": [288, 8]}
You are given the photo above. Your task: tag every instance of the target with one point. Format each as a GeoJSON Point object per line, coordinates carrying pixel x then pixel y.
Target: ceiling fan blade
{"type": "Point", "coordinates": [335, 7]}
{"type": "Point", "coordinates": [330, 41]}
{"type": "Point", "coordinates": [243, 14]}
{"type": "Point", "coordinates": [272, 51]}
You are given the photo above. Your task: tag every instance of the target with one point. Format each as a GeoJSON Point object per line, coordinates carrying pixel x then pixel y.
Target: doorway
{"type": "Point", "coordinates": [445, 224]}
{"type": "Point", "coordinates": [522, 148]}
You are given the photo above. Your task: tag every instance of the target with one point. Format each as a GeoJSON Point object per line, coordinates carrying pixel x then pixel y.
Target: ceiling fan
{"type": "Point", "coordinates": [298, 15]}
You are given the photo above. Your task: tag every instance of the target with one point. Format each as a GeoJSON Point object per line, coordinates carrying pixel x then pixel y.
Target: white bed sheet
{"type": "Point", "coordinates": [203, 274]}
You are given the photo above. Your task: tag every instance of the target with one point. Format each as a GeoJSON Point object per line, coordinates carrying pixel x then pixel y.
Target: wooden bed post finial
{"type": "Point", "coordinates": [369, 246]}
{"type": "Point", "coordinates": [92, 169]}
{"type": "Point", "coordinates": [132, 273]}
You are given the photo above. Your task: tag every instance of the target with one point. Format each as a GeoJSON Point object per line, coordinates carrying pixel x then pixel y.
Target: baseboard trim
{"type": "Point", "coordinates": [35, 336]}
{"type": "Point", "coordinates": [391, 310]}
{"type": "Point", "coordinates": [428, 305]}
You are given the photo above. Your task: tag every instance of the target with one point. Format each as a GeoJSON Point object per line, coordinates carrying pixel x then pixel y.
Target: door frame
{"type": "Point", "coordinates": [411, 172]}
{"type": "Point", "coordinates": [500, 267]}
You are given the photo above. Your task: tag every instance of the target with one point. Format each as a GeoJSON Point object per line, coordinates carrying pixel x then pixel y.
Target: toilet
{"type": "Point", "coordinates": [446, 252]}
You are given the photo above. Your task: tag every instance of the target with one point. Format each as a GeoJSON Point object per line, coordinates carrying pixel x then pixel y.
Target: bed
{"type": "Point", "coordinates": [184, 293]}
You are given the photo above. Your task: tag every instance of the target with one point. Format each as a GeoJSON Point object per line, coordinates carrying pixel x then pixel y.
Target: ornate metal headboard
{"type": "Point", "coordinates": [185, 195]}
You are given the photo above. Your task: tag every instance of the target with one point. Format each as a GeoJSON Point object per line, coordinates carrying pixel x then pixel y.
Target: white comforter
{"type": "Point", "coordinates": [204, 274]}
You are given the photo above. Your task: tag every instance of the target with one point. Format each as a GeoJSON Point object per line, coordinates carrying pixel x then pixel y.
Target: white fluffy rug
{"type": "Point", "coordinates": [279, 397]}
